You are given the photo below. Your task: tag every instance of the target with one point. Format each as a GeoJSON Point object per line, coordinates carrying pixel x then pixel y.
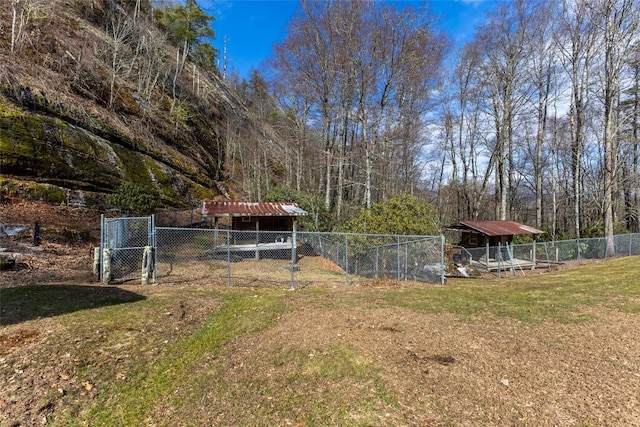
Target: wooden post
{"type": "Point", "coordinates": [106, 266]}
{"type": "Point", "coordinates": [36, 234]}
{"type": "Point", "coordinates": [487, 256]}
{"type": "Point", "coordinates": [147, 264]}
{"type": "Point", "coordinates": [96, 262]}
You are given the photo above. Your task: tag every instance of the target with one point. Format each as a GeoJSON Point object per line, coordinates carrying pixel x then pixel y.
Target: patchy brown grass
{"type": "Point", "coordinates": [544, 350]}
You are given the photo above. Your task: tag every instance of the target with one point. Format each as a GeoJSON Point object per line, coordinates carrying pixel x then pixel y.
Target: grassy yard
{"type": "Point", "coordinates": [549, 349]}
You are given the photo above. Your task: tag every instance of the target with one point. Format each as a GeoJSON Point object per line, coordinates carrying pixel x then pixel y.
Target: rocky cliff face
{"type": "Point", "coordinates": [84, 112]}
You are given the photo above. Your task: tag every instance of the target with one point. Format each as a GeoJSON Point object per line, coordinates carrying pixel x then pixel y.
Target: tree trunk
{"type": "Point", "coordinates": [14, 16]}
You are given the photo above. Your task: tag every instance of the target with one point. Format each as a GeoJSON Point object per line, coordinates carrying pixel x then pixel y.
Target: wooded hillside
{"type": "Point", "coordinates": [94, 94]}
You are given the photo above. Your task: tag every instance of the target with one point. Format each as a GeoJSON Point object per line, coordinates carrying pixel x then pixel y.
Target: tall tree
{"type": "Point", "coordinates": [630, 139]}
{"type": "Point", "coordinates": [618, 21]}
{"type": "Point", "coordinates": [503, 43]}
{"type": "Point", "coordinates": [366, 70]}
{"type": "Point", "coordinates": [541, 72]}
{"type": "Point", "coordinates": [575, 41]}
{"type": "Point", "coordinates": [188, 27]}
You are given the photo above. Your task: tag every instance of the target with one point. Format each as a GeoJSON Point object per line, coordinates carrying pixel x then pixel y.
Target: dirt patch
{"type": "Point", "coordinates": [493, 372]}
{"type": "Point", "coordinates": [56, 221]}
{"type": "Point", "coordinates": [65, 252]}
{"type": "Point", "coordinates": [16, 339]}
{"type": "Point", "coordinates": [47, 263]}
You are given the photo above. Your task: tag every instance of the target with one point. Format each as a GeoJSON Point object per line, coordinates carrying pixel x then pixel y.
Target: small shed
{"type": "Point", "coordinates": [476, 234]}
{"type": "Point", "coordinates": [265, 228]}
{"type": "Point", "coordinates": [255, 216]}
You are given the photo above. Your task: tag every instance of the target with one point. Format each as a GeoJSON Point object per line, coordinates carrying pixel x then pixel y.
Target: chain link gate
{"type": "Point", "coordinates": [127, 250]}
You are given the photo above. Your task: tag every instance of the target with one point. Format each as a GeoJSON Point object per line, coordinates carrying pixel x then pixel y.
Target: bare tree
{"type": "Point", "coordinates": [16, 29]}
{"type": "Point", "coordinates": [575, 41]}
{"type": "Point", "coordinates": [618, 22]}
{"type": "Point", "coordinates": [503, 41]}
{"type": "Point", "coordinates": [472, 146]}
{"type": "Point", "coordinates": [120, 29]}
{"type": "Point", "coordinates": [630, 140]}
{"type": "Point", "coordinates": [542, 70]}
{"type": "Point", "coordinates": [366, 69]}
{"type": "Point", "coordinates": [23, 13]}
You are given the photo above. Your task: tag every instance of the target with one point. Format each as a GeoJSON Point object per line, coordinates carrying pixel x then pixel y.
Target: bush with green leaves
{"type": "Point", "coordinates": [135, 199]}
{"type": "Point", "coordinates": [402, 214]}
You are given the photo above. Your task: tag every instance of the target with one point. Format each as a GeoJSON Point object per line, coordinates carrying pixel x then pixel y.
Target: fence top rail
{"type": "Point", "coordinates": [406, 242]}
{"type": "Point", "coordinates": [128, 248]}
{"type": "Point", "coordinates": [127, 218]}
{"type": "Point", "coordinates": [194, 229]}
{"type": "Point", "coordinates": [403, 236]}
{"type": "Point", "coordinates": [415, 237]}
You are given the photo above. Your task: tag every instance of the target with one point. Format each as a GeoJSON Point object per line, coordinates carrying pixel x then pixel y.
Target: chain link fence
{"type": "Point", "coordinates": [133, 249]}
{"type": "Point", "coordinates": [519, 257]}
{"type": "Point", "coordinates": [136, 249]}
{"type": "Point", "coordinates": [259, 258]}
{"type": "Point", "coordinates": [397, 257]}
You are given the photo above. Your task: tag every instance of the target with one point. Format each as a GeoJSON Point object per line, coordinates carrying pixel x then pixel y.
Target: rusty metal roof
{"type": "Point", "coordinates": [498, 228]}
{"type": "Point", "coordinates": [220, 209]}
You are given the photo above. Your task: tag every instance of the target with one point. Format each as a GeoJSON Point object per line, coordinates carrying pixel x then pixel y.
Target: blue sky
{"type": "Point", "coordinates": [253, 26]}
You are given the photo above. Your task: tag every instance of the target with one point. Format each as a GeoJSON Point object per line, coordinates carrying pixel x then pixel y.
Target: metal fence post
{"type": "Point", "coordinates": [293, 255]}
{"type": "Point", "coordinates": [578, 240]}
{"type": "Point", "coordinates": [377, 262]}
{"type": "Point", "coordinates": [442, 263]}
{"type": "Point", "coordinates": [102, 245]}
{"type": "Point", "coordinates": [406, 260]}
{"type": "Point", "coordinates": [346, 259]}
{"type": "Point", "coordinates": [228, 257]}
{"type": "Point", "coordinates": [487, 255]}
{"type": "Point", "coordinates": [546, 252]}
{"type": "Point", "coordinates": [398, 256]}
{"type": "Point", "coordinates": [499, 257]}
{"type": "Point", "coordinates": [533, 267]}
{"type": "Point", "coordinates": [154, 254]}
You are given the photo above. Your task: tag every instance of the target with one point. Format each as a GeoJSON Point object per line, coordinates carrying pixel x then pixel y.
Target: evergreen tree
{"type": "Point", "coordinates": [188, 27]}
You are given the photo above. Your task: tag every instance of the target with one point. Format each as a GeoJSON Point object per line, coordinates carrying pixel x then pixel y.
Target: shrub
{"type": "Point", "coordinates": [134, 199]}
{"type": "Point", "coordinates": [402, 214]}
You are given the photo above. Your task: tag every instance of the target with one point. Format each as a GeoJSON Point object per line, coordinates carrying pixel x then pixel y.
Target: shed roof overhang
{"type": "Point", "coordinates": [497, 228]}
{"type": "Point", "coordinates": [240, 209]}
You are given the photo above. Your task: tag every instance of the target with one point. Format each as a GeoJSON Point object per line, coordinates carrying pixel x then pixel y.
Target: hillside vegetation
{"type": "Point", "coordinates": [93, 95]}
